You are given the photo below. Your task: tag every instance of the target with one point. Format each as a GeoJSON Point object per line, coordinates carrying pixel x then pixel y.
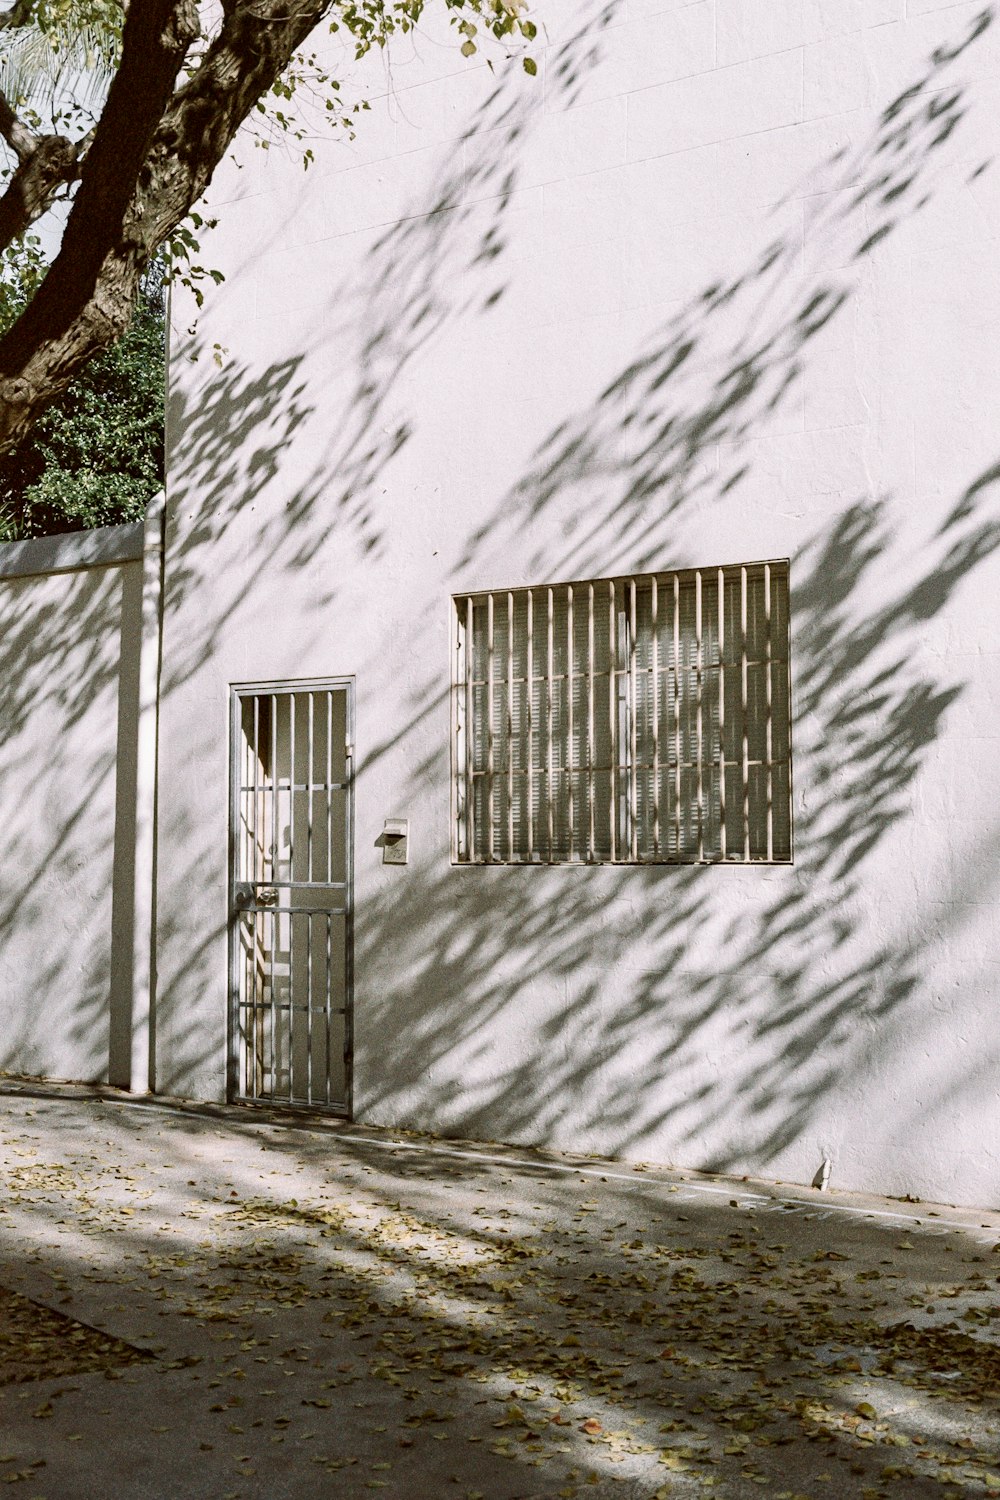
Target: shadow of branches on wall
{"type": "Point", "coordinates": [726, 1036]}
{"type": "Point", "coordinates": [59, 694]}
{"type": "Point", "coordinates": [721, 1040]}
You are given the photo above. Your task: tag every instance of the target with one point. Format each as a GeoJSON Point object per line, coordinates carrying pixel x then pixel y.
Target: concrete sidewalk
{"type": "Point", "coordinates": [276, 1308]}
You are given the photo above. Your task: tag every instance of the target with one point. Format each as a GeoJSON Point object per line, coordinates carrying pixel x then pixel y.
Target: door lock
{"type": "Point", "coordinates": [245, 895]}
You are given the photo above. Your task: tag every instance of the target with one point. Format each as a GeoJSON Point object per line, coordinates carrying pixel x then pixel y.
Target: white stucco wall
{"type": "Point", "coordinates": [700, 293]}
{"type": "Point", "coordinates": [70, 626]}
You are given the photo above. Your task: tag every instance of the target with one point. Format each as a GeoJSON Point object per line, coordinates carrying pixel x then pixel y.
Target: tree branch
{"type": "Point", "coordinates": [45, 164]}
{"type": "Point", "coordinates": [85, 301]}
{"type": "Point", "coordinates": [19, 14]}
{"type": "Point", "coordinates": [257, 40]}
{"type": "Point", "coordinates": [21, 140]}
{"type": "Point", "coordinates": [153, 155]}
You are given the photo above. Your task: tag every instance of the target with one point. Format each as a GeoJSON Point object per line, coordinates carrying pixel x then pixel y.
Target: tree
{"type": "Point", "coordinates": [95, 456]}
{"type": "Point", "coordinates": [182, 82]}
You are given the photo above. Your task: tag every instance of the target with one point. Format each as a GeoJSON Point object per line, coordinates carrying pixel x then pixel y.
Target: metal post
{"type": "Point", "coordinates": [591, 853]}
{"type": "Point", "coordinates": [470, 844]}
{"type": "Point", "coordinates": [633, 809]}
{"type": "Point", "coordinates": [309, 783]}
{"type": "Point", "coordinates": [677, 715]}
{"type": "Point", "coordinates": [768, 726]}
{"type": "Point", "coordinates": [489, 726]}
{"type": "Point", "coordinates": [654, 603]}
{"type": "Point", "coordinates": [699, 723]}
{"type": "Point", "coordinates": [329, 786]}
{"type": "Point", "coordinates": [743, 703]}
{"type": "Point", "coordinates": [722, 713]}
{"type": "Point", "coordinates": [549, 671]}
{"type": "Point", "coordinates": [270, 918]}
{"type": "Point", "coordinates": [613, 718]}
{"type": "Point", "coordinates": [570, 747]}
{"type": "Point", "coordinates": [510, 725]}
{"type": "Point", "coordinates": [530, 728]}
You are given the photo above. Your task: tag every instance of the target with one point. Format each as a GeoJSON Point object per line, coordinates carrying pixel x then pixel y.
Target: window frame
{"type": "Point", "coordinates": [623, 814]}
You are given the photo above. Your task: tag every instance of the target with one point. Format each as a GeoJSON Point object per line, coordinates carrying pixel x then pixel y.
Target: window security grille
{"type": "Point", "coordinates": [630, 720]}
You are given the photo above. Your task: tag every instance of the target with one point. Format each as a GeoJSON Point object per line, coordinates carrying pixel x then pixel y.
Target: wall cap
{"type": "Point", "coordinates": [72, 551]}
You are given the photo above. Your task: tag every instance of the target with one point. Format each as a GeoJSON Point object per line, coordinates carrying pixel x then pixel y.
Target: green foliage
{"type": "Point", "coordinates": [22, 268]}
{"type": "Point", "coordinates": [94, 458]}
{"type": "Point", "coordinates": [59, 57]}
{"type": "Point", "coordinates": [372, 22]}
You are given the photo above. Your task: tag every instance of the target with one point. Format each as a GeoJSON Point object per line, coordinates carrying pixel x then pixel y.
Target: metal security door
{"type": "Point", "coordinates": [290, 896]}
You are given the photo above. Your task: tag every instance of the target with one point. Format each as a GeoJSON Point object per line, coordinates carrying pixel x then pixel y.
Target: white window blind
{"type": "Point", "coordinates": [637, 720]}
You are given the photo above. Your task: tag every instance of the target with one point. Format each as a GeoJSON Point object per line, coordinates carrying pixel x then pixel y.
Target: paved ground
{"type": "Point", "coordinates": [225, 1306]}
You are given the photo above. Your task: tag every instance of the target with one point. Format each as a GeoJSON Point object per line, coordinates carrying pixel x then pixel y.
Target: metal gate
{"type": "Point", "coordinates": [290, 894]}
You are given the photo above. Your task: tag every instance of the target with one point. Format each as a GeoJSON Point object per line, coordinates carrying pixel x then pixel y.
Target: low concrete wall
{"type": "Point", "coordinates": [71, 672]}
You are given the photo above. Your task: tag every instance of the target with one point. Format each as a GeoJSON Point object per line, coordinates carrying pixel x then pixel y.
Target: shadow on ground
{"type": "Point", "coordinates": [330, 1315]}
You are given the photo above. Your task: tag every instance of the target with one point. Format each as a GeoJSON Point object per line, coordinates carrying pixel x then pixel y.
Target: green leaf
{"type": "Point", "coordinates": [530, 66]}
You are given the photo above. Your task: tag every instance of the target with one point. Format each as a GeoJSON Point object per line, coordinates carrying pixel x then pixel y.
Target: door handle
{"type": "Point", "coordinates": [245, 895]}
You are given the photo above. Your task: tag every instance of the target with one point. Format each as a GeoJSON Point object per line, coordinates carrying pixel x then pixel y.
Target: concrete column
{"type": "Point", "coordinates": [143, 1069]}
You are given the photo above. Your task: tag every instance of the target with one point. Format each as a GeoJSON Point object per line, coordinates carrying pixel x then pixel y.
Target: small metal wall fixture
{"type": "Point", "coordinates": [395, 841]}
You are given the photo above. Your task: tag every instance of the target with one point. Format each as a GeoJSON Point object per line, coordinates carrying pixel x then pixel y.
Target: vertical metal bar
{"type": "Point", "coordinates": [290, 1006]}
{"type": "Point", "coordinates": [590, 722]}
{"type": "Point", "coordinates": [273, 861]}
{"type": "Point", "coordinates": [248, 862]}
{"type": "Point", "coordinates": [274, 876]}
{"type": "Point", "coordinates": [455, 836]}
{"type": "Point", "coordinates": [260, 1008]}
{"type": "Point", "coordinates": [633, 807]}
{"type": "Point", "coordinates": [613, 717]}
{"type": "Point", "coordinates": [348, 1046]}
{"type": "Point", "coordinates": [676, 714]}
{"type": "Point", "coordinates": [510, 725]}
{"type": "Point", "coordinates": [699, 713]}
{"type": "Point", "coordinates": [470, 656]}
{"type": "Point", "coordinates": [530, 726]}
{"type": "Point", "coordinates": [768, 725]}
{"type": "Point", "coordinates": [309, 781]}
{"type": "Point", "coordinates": [239, 1065]}
{"type": "Point", "coordinates": [329, 787]}
{"type": "Point", "coordinates": [785, 661]}
{"type": "Point", "coordinates": [549, 671]}
{"type": "Point", "coordinates": [254, 1042]}
{"type": "Point", "coordinates": [326, 1003]}
{"type": "Point", "coordinates": [242, 813]}
{"type": "Point", "coordinates": [235, 1018]}
{"type": "Point", "coordinates": [291, 802]}
{"type": "Point", "coordinates": [489, 726]}
{"type": "Point", "coordinates": [654, 664]}
{"type": "Point", "coordinates": [308, 1009]}
{"type": "Point", "coordinates": [722, 713]}
{"type": "Point", "coordinates": [256, 1017]}
{"type": "Point", "coordinates": [258, 848]}
{"type": "Point", "coordinates": [269, 923]}
{"type": "Point", "coordinates": [570, 748]}
{"type": "Point", "coordinates": [248, 1017]}
{"type": "Point", "coordinates": [743, 706]}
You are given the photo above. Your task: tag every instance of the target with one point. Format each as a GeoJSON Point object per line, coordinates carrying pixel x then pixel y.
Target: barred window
{"type": "Point", "coordinates": [628, 720]}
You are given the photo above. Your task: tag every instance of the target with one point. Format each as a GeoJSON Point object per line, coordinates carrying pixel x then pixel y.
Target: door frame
{"type": "Point", "coordinates": [236, 693]}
